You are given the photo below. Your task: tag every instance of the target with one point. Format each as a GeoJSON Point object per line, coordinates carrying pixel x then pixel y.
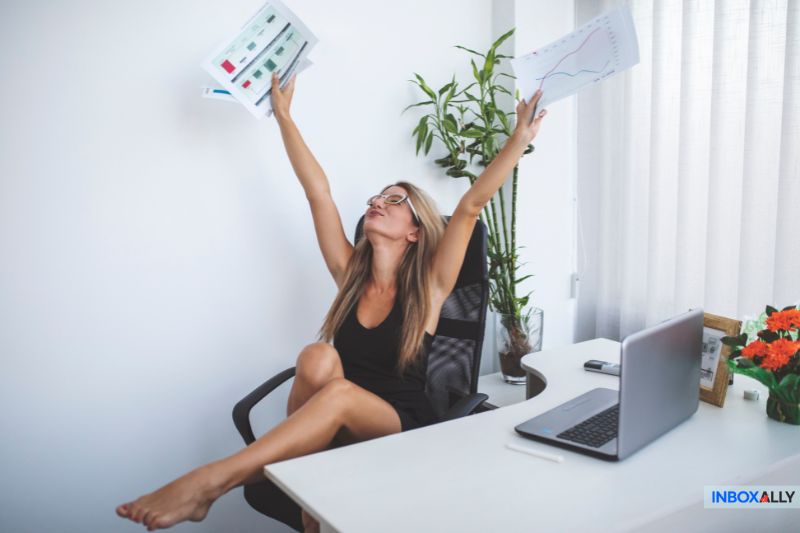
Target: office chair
{"type": "Point", "coordinates": [452, 375]}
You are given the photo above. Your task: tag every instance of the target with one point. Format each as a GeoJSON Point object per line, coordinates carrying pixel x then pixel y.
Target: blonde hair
{"type": "Point", "coordinates": [413, 279]}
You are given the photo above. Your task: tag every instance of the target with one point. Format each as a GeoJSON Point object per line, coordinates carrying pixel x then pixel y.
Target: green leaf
{"type": "Point", "coordinates": [421, 124]}
{"type": "Point", "coordinates": [475, 71]}
{"type": "Point", "coordinates": [771, 310]}
{"type": "Point", "coordinates": [472, 133]}
{"type": "Point", "coordinates": [730, 341]}
{"type": "Point", "coordinates": [523, 278]}
{"type": "Point", "coordinates": [768, 336]}
{"type": "Point", "coordinates": [455, 173]}
{"type": "Point", "coordinates": [428, 144]}
{"type": "Point", "coordinates": [491, 145]}
{"type": "Point", "coordinates": [443, 162]}
{"type": "Point", "coordinates": [425, 87]}
{"type": "Point", "coordinates": [465, 89]}
{"type": "Point", "coordinates": [451, 93]}
{"type": "Point", "coordinates": [468, 50]}
{"type": "Point", "coordinates": [488, 65]}
{"type": "Point", "coordinates": [501, 39]}
{"type": "Point", "coordinates": [421, 135]}
{"type": "Point", "coordinates": [789, 386]}
{"type": "Point", "coordinates": [788, 307]}
{"type": "Point", "coordinates": [416, 105]}
{"type": "Point", "coordinates": [764, 376]}
{"type": "Point", "coordinates": [450, 124]}
{"type": "Point", "coordinates": [445, 88]}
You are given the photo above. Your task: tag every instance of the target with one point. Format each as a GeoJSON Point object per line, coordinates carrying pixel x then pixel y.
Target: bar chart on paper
{"type": "Point", "coordinates": [601, 48]}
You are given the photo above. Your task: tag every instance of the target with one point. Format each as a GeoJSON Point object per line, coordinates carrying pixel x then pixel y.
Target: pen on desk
{"type": "Point", "coordinates": [536, 453]}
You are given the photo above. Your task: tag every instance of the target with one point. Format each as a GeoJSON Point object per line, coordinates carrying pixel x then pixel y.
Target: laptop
{"type": "Point", "coordinates": [659, 387]}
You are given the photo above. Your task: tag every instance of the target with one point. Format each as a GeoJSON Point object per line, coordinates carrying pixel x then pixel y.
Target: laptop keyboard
{"type": "Point", "coordinates": [594, 431]}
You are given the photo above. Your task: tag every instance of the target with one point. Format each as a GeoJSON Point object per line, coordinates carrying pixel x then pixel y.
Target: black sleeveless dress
{"type": "Point", "coordinates": [369, 357]}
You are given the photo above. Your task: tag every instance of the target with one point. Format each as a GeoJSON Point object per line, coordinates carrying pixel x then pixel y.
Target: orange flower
{"type": "Point", "coordinates": [779, 352]}
{"type": "Point", "coordinates": [755, 348]}
{"type": "Point", "coordinates": [784, 320]}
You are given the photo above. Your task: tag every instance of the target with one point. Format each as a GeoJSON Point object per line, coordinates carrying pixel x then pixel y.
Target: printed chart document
{"type": "Point", "coordinates": [215, 92]}
{"type": "Point", "coordinates": [601, 48]}
{"type": "Point", "coordinates": [273, 40]}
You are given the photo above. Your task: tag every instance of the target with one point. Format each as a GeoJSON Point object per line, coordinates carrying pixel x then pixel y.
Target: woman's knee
{"type": "Point", "coordinates": [318, 363]}
{"type": "Point", "coordinates": [338, 394]}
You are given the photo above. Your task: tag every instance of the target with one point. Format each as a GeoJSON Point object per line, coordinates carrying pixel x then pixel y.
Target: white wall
{"type": "Point", "coordinates": [158, 255]}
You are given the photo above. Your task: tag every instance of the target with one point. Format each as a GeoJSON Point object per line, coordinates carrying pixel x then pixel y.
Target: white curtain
{"type": "Point", "coordinates": [688, 173]}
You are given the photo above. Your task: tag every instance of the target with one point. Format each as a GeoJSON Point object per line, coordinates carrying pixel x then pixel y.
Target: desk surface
{"type": "Point", "coordinates": [459, 476]}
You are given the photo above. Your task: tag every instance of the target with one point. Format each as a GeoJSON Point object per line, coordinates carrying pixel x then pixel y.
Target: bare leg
{"type": "Point", "coordinates": [317, 364]}
{"type": "Point", "coordinates": [309, 429]}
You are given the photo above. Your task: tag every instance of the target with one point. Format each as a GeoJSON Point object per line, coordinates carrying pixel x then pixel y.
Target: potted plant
{"type": "Point", "coordinates": [470, 124]}
{"type": "Point", "coordinates": [768, 350]}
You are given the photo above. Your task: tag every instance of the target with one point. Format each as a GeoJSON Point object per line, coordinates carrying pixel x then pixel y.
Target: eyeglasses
{"type": "Point", "coordinates": [394, 199]}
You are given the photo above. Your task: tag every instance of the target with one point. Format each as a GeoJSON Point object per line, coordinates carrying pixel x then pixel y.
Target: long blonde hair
{"type": "Point", "coordinates": [413, 279]}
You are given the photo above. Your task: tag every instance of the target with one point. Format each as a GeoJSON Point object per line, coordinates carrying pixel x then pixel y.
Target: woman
{"type": "Point", "coordinates": [392, 285]}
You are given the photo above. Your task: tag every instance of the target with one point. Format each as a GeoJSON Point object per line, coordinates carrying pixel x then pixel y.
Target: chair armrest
{"type": "Point", "coordinates": [241, 411]}
{"type": "Point", "coordinates": [465, 406]}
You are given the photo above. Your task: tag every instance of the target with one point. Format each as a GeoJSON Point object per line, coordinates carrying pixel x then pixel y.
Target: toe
{"type": "Point", "coordinates": [155, 523]}
{"type": "Point", "coordinates": [136, 514]}
{"type": "Point", "coordinates": [122, 510]}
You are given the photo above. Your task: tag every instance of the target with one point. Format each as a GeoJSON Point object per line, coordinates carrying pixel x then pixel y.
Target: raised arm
{"type": "Point", "coordinates": [336, 249]}
{"type": "Point", "coordinates": [450, 253]}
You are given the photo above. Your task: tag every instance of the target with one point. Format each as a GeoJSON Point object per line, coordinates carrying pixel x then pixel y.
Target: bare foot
{"type": "Point", "coordinates": [187, 498]}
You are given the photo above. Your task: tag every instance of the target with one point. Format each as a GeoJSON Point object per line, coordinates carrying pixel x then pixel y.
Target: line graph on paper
{"type": "Point", "coordinates": [603, 47]}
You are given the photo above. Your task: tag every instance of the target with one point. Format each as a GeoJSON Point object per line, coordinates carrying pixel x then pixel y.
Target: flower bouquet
{"type": "Point", "coordinates": [768, 350]}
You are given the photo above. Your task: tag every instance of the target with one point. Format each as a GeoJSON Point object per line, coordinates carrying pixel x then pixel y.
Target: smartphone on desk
{"type": "Point", "coordinates": [604, 367]}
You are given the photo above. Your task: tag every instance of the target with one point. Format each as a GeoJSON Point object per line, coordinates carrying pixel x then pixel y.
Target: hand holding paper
{"type": "Point", "coordinates": [282, 98]}
{"type": "Point", "coordinates": [528, 121]}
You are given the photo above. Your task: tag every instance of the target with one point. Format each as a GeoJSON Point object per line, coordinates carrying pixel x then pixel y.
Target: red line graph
{"type": "Point", "coordinates": [566, 56]}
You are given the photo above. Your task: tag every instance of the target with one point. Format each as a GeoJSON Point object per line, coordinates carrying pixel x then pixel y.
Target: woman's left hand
{"type": "Point", "coordinates": [526, 129]}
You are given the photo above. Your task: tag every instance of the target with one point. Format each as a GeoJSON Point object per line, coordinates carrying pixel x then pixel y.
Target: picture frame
{"type": "Point", "coordinates": [714, 371]}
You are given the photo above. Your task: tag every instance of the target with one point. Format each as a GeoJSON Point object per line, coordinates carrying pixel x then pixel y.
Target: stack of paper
{"type": "Point", "coordinates": [273, 40]}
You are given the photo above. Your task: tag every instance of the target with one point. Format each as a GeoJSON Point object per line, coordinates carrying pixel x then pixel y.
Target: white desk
{"type": "Point", "coordinates": [458, 476]}
{"type": "Point", "coordinates": [500, 393]}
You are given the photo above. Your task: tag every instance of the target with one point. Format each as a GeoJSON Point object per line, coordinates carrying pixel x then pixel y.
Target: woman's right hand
{"type": "Point", "coordinates": [281, 98]}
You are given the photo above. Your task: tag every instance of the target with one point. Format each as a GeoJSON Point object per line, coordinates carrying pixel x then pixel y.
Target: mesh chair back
{"type": "Point", "coordinates": [455, 358]}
